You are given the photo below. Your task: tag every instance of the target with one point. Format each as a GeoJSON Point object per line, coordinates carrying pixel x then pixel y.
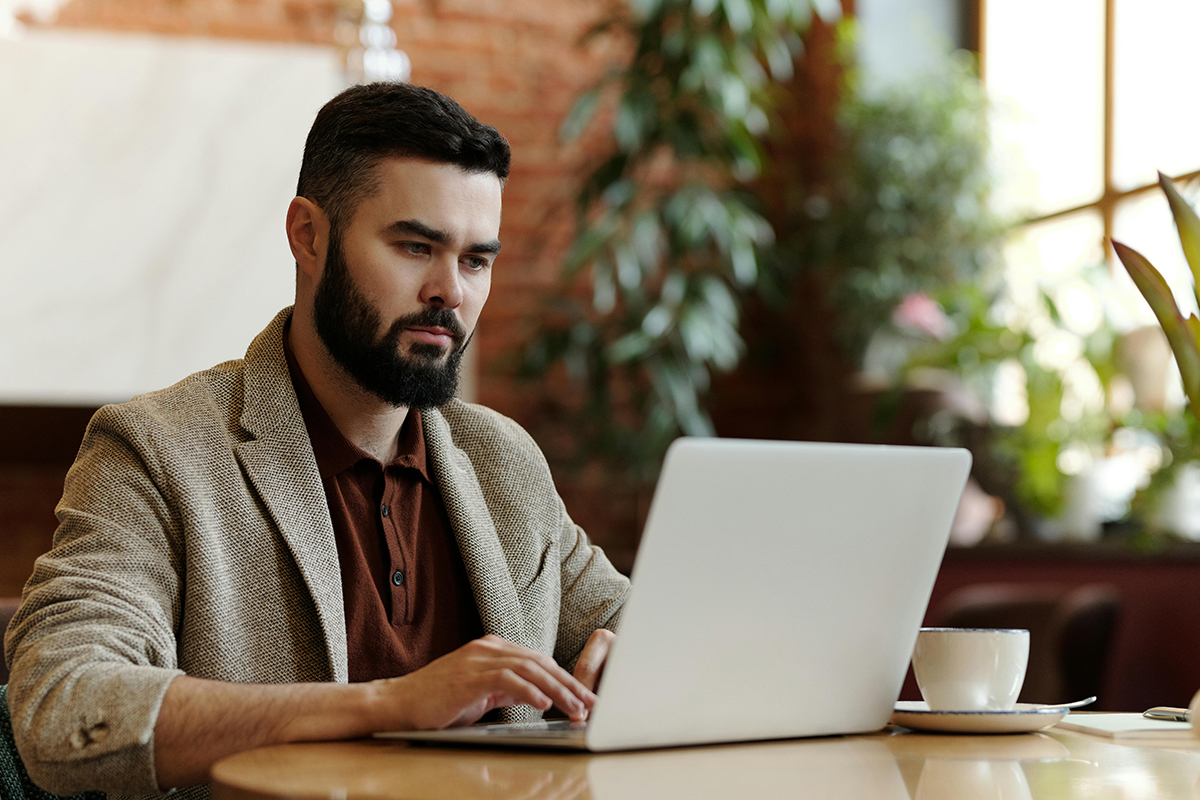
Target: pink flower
{"type": "Point", "coordinates": [919, 313]}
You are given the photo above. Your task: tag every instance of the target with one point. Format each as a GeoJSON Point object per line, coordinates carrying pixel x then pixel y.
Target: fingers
{"type": "Point", "coordinates": [484, 674]}
{"type": "Point", "coordinates": [549, 682]}
{"type": "Point", "coordinates": [591, 661]}
{"type": "Point", "coordinates": [555, 688]}
{"type": "Point", "coordinates": [510, 689]}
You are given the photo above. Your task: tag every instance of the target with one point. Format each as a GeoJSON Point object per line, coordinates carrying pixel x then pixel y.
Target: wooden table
{"type": "Point", "coordinates": [885, 766]}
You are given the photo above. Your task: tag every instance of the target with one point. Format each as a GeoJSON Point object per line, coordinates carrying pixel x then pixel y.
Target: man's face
{"type": "Point", "coordinates": [405, 280]}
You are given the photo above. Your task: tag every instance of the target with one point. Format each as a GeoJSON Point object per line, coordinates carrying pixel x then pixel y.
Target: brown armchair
{"type": "Point", "coordinates": [1070, 632]}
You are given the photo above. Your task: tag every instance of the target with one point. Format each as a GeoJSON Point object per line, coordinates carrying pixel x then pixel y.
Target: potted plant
{"type": "Point", "coordinates": [670, 238]}
{"type": "Point", "coordinates": [1181, 436]}
{"type": "Point", "coordinates": [677, 227]}
{"type": "Point", "coordinates": [1182, 333]}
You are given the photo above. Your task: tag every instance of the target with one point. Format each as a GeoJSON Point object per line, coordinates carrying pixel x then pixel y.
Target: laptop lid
{"type": "Point", "coordinates": [777, 591]}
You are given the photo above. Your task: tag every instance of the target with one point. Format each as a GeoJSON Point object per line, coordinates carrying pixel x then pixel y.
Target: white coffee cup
{"type": "Point", "coordinates": [970, 669]}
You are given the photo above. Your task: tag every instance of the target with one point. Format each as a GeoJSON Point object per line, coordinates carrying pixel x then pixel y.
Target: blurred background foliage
{"type": "Point", "coordinates": [906, 207]}
{"type": "Point", "coordinates": [704, 206]}
{"type": "Point", "coordinates": [745, 228]}
{"type": "Point", "coordinates": [1017, 460]}
{"type": "Point", "coordinates": [670, 237]}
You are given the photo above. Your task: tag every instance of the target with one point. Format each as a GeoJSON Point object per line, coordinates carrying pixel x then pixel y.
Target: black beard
{"type": "Point", "coordinates": [347, 323]}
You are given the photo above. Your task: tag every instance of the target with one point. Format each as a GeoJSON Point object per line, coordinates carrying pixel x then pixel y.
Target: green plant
{"type": "Point", "coordinates": [1180, 434]}
{"type": "Point", "coordinates": [1180, 438]}
{"type": "Point", "coordinates": [907, 209]}
{"type": "Point", "coordinates": [667, 231]}
{"type": "Point", "coordinates": [675, 240]}
{"type": "Point", "coordinates": [1019, 462]}
{"type": "Point", "coordinates": [1182, 333]}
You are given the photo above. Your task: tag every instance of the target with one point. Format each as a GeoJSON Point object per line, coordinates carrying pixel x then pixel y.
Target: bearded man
{"type": "Point", "coordinates": [317, 541]}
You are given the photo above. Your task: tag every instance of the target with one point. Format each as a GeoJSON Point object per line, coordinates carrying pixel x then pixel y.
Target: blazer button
{"type": "Point", "coordinates": [397, 578]}
{"type": "Point", "coordinates": [383, 509]}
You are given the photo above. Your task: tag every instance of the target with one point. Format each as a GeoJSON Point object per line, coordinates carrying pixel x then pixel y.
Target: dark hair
{"type": "Point", "coordinates": [367, 123]}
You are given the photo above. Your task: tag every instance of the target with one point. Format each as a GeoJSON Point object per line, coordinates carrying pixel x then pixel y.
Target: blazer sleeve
{"type": "Point", "coordinates": [92, 646]}
{"type": "Point", "coordinates": [593, 592]}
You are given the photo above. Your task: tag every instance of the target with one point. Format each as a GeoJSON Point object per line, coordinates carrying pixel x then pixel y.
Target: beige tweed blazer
{"type": "Point", "coordinates": [194, 537]}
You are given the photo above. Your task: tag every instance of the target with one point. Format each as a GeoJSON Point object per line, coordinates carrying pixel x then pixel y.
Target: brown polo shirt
{"type": "Point", "coordinates": [406, 593]}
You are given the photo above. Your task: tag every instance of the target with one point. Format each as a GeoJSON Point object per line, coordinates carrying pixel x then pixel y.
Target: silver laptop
{"type": "Point", "coordinates": [777, 593]}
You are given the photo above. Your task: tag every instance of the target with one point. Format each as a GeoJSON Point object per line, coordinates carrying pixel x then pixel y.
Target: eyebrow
{"type": "Point", "coordinates": [416, 228]}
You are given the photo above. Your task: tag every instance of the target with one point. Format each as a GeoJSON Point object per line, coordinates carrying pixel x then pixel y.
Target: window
{"type": "Point", "coordinates": [1092, 97]}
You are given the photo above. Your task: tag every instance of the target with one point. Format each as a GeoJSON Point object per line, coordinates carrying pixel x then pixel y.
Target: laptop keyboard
{"type": "Point", "coordinates": [552, 729]}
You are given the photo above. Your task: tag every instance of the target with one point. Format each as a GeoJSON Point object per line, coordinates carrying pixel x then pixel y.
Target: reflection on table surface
{"type": "Point", "coordinates": [900, 765]}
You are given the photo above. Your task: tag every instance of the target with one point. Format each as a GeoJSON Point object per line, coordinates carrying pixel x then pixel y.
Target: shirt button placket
{"type": "Point", "coordinates": [398, 578]}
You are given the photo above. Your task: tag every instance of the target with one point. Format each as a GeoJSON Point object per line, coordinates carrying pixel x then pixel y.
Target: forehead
{"type": "Point", "coordinates": [443, 196]}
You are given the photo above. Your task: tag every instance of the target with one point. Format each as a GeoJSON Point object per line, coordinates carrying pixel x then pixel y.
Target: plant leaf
{"type": "Point", "coordinates": [1194, 326]}
{"type": "Point", "coordinates": [739, 15]}
{"type": "Point", "coordinates": [1189, 228]}
{"type": "Point", "coordinates": [581, 114]}
{"type": "Point", "coordinates": [629, 347]}
{"type": "Point", "coordinates": [1180, 334]}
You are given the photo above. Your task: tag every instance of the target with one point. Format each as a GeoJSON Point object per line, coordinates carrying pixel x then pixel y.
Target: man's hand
{"type": "Point", "coordinates": [462, 686]}
{"type": "Point", "coordinates": [201, 721]}
{"type": "Point", "coordinates": [590, 665]}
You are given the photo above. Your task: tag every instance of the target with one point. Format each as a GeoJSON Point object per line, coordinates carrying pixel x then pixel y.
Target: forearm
{"type": "Point", "coordinates": [202, 721]}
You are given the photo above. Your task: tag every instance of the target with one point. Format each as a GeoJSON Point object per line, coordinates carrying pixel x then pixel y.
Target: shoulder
{"type": "Point", "coordinates": [489, 436]}
{"type": "Point", "coordinates": [201, 412]}
{"type": "Point", "coordinates": [144, 462]}
{"type": "Point", "coordinates": [212, 394]}
{"type": "Point", "coordinates": [212, 405]}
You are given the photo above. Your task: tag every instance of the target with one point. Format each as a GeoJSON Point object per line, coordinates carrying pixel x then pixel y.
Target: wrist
{"type": "Point", "coordinates": [365, 708]}
{"type": "Point", "coordinates": [378, 706]}
{"type": "Point", "coordinates": [334, 711]}
{"type": "Point", "coordinates": [369, 707]}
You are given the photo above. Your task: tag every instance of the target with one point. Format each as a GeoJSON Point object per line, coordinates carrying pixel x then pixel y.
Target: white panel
{"type": "Point", "coordinates": [142, 207]}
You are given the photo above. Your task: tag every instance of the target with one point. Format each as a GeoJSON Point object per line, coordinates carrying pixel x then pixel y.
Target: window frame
{"type": "Point", "coordinates": [1112, 196]}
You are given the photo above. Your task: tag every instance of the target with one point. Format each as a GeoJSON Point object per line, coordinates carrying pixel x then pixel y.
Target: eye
{"type": "Point", "coordinates": [414, 248]}
{"type": "Point", "coordinates": [476, 263]}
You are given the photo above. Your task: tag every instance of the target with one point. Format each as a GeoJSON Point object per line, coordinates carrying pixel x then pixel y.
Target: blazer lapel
{"type": "Point", "coordinates": [280, 464]}
{"type": "Point", "coordinates": [491, 582]}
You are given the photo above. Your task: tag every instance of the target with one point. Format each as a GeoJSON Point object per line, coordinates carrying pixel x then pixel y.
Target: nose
{"type": "Point", "coordinates": [443, 284]}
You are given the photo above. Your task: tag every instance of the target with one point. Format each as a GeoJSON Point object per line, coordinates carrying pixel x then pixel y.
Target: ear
{"type": "Point", "coordinates": [308, 236]}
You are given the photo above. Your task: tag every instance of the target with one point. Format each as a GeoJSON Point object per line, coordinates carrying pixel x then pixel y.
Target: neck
{"type": "Point", "coordinates": [362, 418]}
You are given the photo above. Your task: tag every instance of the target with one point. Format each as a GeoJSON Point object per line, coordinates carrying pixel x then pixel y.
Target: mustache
{"type": "Point", "coordinates": [429, 317]}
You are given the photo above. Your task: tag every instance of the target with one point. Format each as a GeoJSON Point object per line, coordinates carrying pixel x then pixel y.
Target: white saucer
{"type": "Point", "coordinates": [1024, 718]}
